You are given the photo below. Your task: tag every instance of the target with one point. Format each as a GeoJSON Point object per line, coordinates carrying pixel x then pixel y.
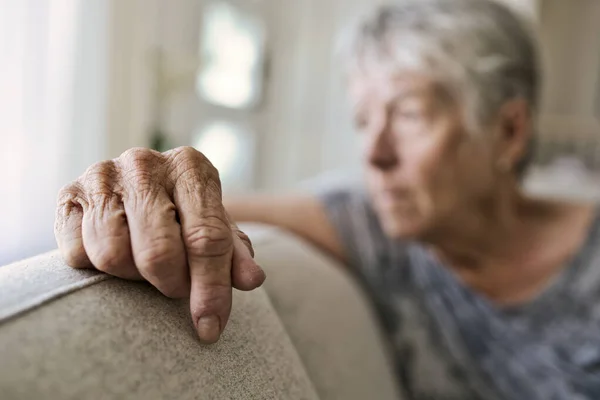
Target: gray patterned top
{"type": "Point", "coordinates": [449, 343]}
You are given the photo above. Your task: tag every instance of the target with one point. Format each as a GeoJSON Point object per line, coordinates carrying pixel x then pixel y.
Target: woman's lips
{"type": "Point", "coordinates": [395, 199]}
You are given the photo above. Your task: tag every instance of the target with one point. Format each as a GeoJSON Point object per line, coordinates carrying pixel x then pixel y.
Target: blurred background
{"type": "Point", "coordinates": [254, 84]}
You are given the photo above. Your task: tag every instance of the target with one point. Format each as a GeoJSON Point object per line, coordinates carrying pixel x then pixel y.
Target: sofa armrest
{"type": "Point", "coordinates": [326, 315]}
{"type": "Point", "coordinates": [68, 334]}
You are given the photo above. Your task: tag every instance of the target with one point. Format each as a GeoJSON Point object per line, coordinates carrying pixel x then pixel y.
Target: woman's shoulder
{"type": "Point", "coordinates": [577, 232]}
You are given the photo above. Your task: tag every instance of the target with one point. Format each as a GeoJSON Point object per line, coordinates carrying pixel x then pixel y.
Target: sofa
{"type": "Point", "coordinates": [308, 333]}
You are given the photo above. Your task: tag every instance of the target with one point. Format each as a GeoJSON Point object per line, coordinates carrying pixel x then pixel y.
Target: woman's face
{"type": "Point", "coordinates": [424, 168]}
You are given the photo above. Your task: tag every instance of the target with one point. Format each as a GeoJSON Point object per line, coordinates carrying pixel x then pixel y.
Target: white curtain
{"type": "Point", "coordinates": [52, 75]}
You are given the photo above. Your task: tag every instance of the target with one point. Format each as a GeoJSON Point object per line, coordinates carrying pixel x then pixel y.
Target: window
{"type": "Point", "coordinates": [52, 55]}
{"type": "Point", "coordinates": [231, 53]}
{"type": "Point", "coordinates": [229, 147]}
{"type": "Point", "coordinates": [229, 82]}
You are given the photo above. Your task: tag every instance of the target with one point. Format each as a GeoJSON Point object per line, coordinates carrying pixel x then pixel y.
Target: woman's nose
{"type": "Point", "coordinates": [381, 149]}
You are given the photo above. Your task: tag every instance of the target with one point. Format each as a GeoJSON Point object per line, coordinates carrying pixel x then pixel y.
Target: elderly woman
{"type": "Point", "coordinates": [484, 292]}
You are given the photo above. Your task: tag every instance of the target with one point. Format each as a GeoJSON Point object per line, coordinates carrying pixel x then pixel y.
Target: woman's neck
{"type": "Point", "coordinates": [510, 248]}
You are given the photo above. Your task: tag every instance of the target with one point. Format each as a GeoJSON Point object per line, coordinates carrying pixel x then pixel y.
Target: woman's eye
{"type": "Point", "coordinates": [412, 114]}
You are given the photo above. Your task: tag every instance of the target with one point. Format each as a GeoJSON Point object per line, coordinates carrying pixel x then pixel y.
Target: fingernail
{"type": "Point", "coordinates": [209, 328]}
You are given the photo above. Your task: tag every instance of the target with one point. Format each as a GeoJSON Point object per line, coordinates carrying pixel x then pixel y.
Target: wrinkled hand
{"type": "Point", "coordinates": [159, 217]}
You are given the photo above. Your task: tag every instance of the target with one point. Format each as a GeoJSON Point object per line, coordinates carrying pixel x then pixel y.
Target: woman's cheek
{"type": "Point", "coordinates": [434, 171]}
{"type": "Point", "coordinates": [424, 160]}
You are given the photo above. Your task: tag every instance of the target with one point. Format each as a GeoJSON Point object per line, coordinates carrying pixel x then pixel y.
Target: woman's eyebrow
{"type": "Point", "coordinates": [399, 96]}
{"type": "Point", "coordinates": [405, 94]}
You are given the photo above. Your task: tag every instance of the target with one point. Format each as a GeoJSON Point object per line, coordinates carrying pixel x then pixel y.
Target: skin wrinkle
{"type": "Point", "coordinates": [108, 261]}
{"type": "Point", "coordinates": [207, 237]}
{"type": "Point", "coordinates": [497, 52]}
{"type": "Point", "coordinates": [156, 236]}
{"type": "Point", "coordinates": [209, 240]}
{"type": "Point", "coordinates": [157, 250]}
{"type": "Point", "coordinates": [105, 230]}
{"type": "Point", "coordinates": [140, 167]}
{"type": "Point", "coordinates": [452, 188]}
{"type": "Point", "coordinates": [187, 162]}
{"type": "Point", "coordinates": [212, 300]}
{"type": "Point", "coordinates": [437, 184]}
{"type": "Point", "coordinates": [67, 227]}
{"type": "Point", "coordinates": [156, 253]}
{"type": "Point", "coordinates": [146, 199]}
{"type": "Point", "coordinates": [244, 238]}
{"type": "Point", "coordinates": [433, 177]}
{"type": "Point", "coordinates": [140, 159]}
{"type": "Point", "coordinates": [69, 237]}
{"type": "Point", "coordinates": [415, 165]}
{"type": "Point", "coordinates": [159, 217]}
{"type": "Point", "coordinates": [73, 194]}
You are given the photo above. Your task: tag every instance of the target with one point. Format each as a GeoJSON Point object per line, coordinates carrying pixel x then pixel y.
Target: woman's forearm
{"type": "Point", "coordinates": [300, 214]}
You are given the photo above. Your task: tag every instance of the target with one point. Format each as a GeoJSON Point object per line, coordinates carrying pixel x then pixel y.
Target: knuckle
{"type": "Point", "coordinates": [191, 172]}
{"type": "Point", "coordinates": [102, 173]}
{"type": "Point", "coordinates": [69, 193]}
{"type": "Point", "coordinates": [139, 155]}
{"type": "Point", "coordinates": [68, 213]}
{"type": "Point", "coordinates": [211, 299]}
{"type": "Point", "coordinates": [189, 183]}
{"type": "Point", "coordinates": [99, 181]}
{"type": "Point", "coordinates": [141, 172]}
{"type": "Point", "coordinates": [211, 172]}
{"type": "Point", "coordinates": [187, 152]}
{"type": "Point", "coordinates": [213, 184]}
{"type": "Point", "coordinates": [187, 160]}
{"type": "Point", "coordinates": [190, 156]}
{"type": "Point", "coordinates": [245, 240]}
{"type": "Point", "coordinates": [210, 238]}
{"type": "Point", "coordinates": [140, 160]}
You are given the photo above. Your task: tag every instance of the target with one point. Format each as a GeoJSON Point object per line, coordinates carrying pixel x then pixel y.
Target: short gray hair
{"type": "Point", "coordinates": [481, 49]}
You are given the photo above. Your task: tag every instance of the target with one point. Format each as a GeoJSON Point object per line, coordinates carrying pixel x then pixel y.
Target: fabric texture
{"type": "Point", "coordinates": [451, 343]}
{"type": "Point", "coordinates": [80, 334]}
{"type": "Point", "coordinates": [114, 339]}
{"type": "Point", "coordinates": [334, 330]}
{"type": "Point", "coordinates": [24, 288]}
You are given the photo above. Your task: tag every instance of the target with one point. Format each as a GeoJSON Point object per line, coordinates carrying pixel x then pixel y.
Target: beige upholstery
{"type": "Point", "coordinates": [67, 334]}
{"type": "Point", "coordinates": [326, 317]}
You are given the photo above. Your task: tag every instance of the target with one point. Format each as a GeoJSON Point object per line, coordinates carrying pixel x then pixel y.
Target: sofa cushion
{"type": "Point", "coordinates": [327, 317]}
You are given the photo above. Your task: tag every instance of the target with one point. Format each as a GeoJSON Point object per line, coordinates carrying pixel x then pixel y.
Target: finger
{"type": "Point", "coordinates": [245, 272]}
{"type": "Point", "coordinates": [208, 240]}
{"type": "Point", "coordinates": [104, 228]}
{"type": "Point", "coordinates": [67, 226]}
{"type": "Point", "coordinates": [156, 242]}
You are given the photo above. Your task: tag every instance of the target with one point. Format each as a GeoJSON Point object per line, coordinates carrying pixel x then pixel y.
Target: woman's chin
{"type": "Point", "coordinates": [402, 226]}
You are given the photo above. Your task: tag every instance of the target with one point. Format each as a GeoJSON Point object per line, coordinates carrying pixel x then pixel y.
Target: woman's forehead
{"type": "Point", "coordinates": [387, 87]}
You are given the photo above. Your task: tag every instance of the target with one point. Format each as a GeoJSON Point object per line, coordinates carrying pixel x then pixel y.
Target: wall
{"type": "Point", "coordinates": [53, 100]}
{"type": "Point", "coordinates": [303, 127]}
{"type": "Point", "coordinates": [570, 34]}
{"type": "Point", "coordinates": [133, 35]}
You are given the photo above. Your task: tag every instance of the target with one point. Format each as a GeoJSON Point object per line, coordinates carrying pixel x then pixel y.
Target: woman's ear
{"type": "Point", "coordinates": [515, 132]}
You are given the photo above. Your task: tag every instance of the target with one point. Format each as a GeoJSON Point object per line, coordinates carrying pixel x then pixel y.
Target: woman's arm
{"type": "Point", "coordinates": [301, 214]}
